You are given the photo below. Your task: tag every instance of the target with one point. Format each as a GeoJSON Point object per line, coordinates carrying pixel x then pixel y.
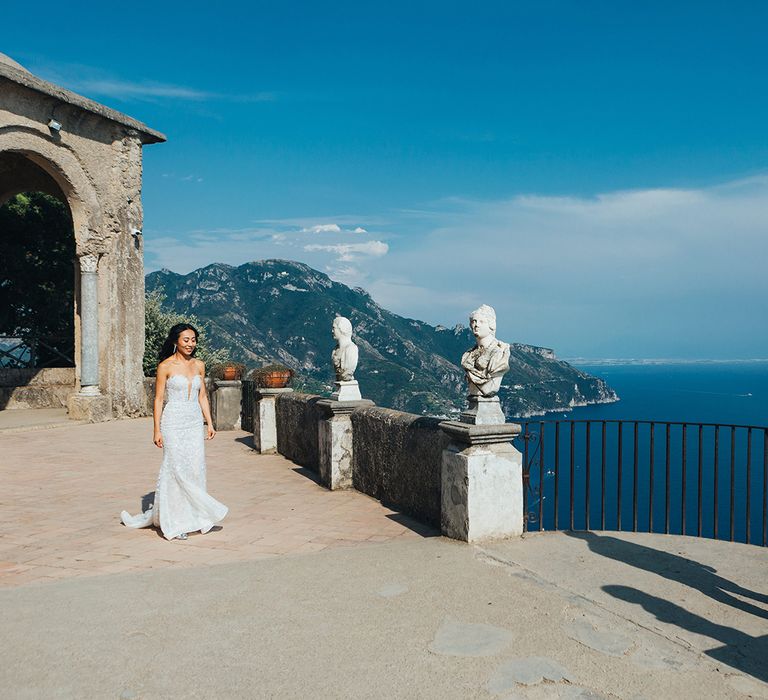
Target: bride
{"type": "Point", "coordinates": [182, 504]}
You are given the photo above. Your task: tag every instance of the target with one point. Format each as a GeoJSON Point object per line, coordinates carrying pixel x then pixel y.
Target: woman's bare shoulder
{"type": "Point", "coordinates": [164, 366]}
{"type": "Point", "coordinates": [200, 367]}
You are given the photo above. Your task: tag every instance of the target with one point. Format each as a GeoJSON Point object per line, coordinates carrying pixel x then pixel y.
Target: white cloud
{"type": "Point", "coordinates": [655, 272]}
{"type": "Point", "coordinates": [349, 252]}
{"type": "Point", "coordinates": [345, 221]}
{"type": "Point", "coordinates": [359, 229]}
{"type": "Point", "coordinates": [323, 228]}
{"type": "Point", "coordinates": [235, 246]}
{"type": "Point", "coordinates": [126, 89]}
{"type": "Point", "coordinates": [666, 271]}
{"type": "Point", "coordinates": [92, 80]}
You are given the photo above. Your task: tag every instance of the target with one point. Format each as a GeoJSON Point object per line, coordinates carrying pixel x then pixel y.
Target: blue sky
{"type": "Point", "coordinates": [597, 171]}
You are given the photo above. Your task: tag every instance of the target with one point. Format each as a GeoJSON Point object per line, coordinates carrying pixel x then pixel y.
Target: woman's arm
{"type": "Point", "coordinates": [162, 376]}
{"type": "Point", "coordinates": [205, 406]}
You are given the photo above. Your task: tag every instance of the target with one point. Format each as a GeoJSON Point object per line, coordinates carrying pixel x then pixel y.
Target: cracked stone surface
{"type": "Point", "coordinates": [465, 639]}
{"type": "Point", "coordinates": [525, 671]}
{"type": "Point", "coordinates": [659, 658]}
{"type": "Point", "coordinates": [604, 641]}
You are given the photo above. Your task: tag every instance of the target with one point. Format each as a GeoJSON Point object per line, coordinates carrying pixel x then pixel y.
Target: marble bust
{"type": "Point", "coordinates": [345, 354]}
{"type": "Point", "coordinates": [486, 363]}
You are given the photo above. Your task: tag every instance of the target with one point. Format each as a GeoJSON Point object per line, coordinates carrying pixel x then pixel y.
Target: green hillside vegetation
{"type": "Point", "coordinates": [278, 310]}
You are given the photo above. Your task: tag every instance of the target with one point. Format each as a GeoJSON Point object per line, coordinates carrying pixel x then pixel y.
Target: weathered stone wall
{"type": "Point", "coordinates": [297, 417]}
{"type": "Point", "coordinates": [97, 164]}
{"type": "Point", "coordinates": [397, 458]}
{"type": "Point", "coordinates": [121, 280]}
{"type": "Point", "coordinates": [36, 388]}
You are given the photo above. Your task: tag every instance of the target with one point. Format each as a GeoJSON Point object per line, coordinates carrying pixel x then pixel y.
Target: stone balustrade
{"type": "Point", "coordinates": [466, 480]}
{"type": "Point", "coordinates": [297, 416]}
{"type": "Point", "coordinates": [398, 460]}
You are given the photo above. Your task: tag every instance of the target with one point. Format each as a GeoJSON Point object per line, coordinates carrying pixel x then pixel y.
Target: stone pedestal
{"type": "Point", "coordinates": [334, 437]}
{"type": "Point", "coordinates": [346, 391]}
{"type": "Point", "coordinates": [226, 403]}
{"type": "Point", "coordinates": [483, 410]}
{"type": "Point", "coordinates": [90, 407]}
{"type": "Point", "coordinates": [482, 482]}
{"type": "Point", "coordinates": [265, 420]}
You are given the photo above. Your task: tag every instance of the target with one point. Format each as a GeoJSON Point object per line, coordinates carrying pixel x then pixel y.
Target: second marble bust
{"type": "Point", "coordinates": [345, 354]}
{"type": "Point", "coordinates": [486, 363]}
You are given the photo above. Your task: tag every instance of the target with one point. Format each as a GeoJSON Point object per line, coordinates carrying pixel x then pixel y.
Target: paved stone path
{"type": "Point", "coordinates": [413, 618]}
{"type": "Point", "coordinates": [63, 490]}
{"type": "Point", "coordinates": [308, 593]}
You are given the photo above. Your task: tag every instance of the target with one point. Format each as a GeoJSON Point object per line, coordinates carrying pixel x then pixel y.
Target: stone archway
{"type": "Point", "coordinates": [62, 173]}
{"type": "Point", "coordinates": [37, 245]}
{"type": "Point", "coordinates": [91, 155]}
{"type": "Point", "coordinates": [63, 169]}
{"type": "Point", "coordinates": [37, 315]}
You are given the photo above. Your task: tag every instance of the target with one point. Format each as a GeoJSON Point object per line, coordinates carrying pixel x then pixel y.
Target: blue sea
{"type": "Point", "coordinates": [694, 392]}
{"type": "Point", "coordinates": [692, 458]}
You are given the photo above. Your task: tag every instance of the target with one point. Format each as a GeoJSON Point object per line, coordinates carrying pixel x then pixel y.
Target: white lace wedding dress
{"type": "Point", "coordinates": [182, 503]}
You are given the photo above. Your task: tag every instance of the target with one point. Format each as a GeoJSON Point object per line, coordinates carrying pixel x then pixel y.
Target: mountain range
{"type": "Point", "coordinates": [279, 310]}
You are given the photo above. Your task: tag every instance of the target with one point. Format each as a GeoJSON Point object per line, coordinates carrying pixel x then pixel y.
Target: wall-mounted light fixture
{"type": "Point", "coordinates": [53, 125]}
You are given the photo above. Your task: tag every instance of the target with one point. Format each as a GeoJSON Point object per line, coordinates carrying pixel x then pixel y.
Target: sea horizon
{"type": "Point", "coordinates": [600, 362]}
{"type": "Point", "coordinates": [727, 392]}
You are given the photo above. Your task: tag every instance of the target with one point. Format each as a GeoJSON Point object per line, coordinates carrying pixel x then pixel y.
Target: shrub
{"type": "Point", "coordinates": [158, 321]}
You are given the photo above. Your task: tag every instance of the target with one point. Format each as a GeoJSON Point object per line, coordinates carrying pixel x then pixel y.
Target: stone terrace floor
{"type": "Point", "coordinates": [305, 593]}
{"type": "Point", "coordinates": [63, 490]}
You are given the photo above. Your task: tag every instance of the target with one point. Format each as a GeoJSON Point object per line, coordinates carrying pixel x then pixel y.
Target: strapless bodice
{"type": "Point", "coordinates": [181, 388]}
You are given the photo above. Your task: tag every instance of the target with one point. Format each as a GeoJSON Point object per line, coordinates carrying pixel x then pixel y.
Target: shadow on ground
{"type": "Point", "coordinates": [414, 525]}
{"type": "Point", "coordinates": [308, 474]}
{"type": "Point", "coordinates": [741, 651]}
{"type": "Point", "coordinates": [147, 501]}
{"type": "Point", "coordinates": [686, 571]}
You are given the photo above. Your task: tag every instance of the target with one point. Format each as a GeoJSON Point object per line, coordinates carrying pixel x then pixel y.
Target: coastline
{"type": "Point", "coordinates": [695, 392]}
{"type": "Point", "coordinates": [569, 407]}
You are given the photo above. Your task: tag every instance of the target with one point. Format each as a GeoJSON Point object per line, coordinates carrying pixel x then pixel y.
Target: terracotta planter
{"type": "Point", "coordinates": [276, 380]}
{"type": "Point", "coordinates": [229, 373]}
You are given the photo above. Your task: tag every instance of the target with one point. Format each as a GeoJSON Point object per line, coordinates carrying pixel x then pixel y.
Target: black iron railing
{"type": "Point", "coordinates": [701, 479]}
{"type": "Point", "coordinates": [17, 353]}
